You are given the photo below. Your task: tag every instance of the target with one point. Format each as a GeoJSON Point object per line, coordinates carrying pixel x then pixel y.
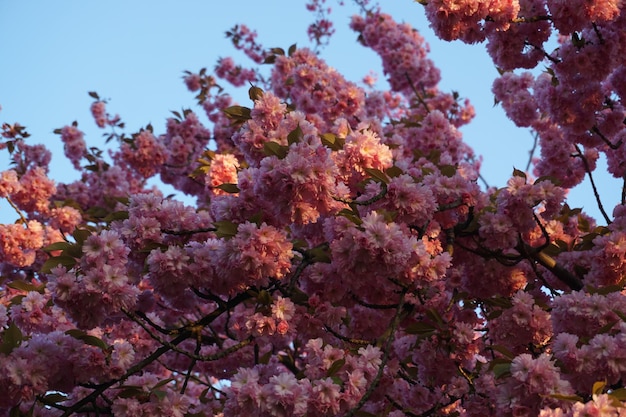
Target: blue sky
{"type": "Point", "coordinates": [133, 53]}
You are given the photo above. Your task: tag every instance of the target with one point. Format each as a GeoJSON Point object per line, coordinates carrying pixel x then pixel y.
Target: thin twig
{"type": "Point", "coordinates": [605, 139]}
{"type": "Point", "coordinates": [531, 19]}
{"type": "Point", "coordinates": [347, 339]}
{"type": "Point", "coordinates": [593, 184]}
{"type": "Point", "coordinates": [532, 150]}
{"type": "Point", "coordinates": [367, 202]}
{"type": "Point", "coordinates": [624, 189]}
{"type": "Point", "coordinates": [417, 94]}
{"type": "Point", "coordinates": [16, 208]}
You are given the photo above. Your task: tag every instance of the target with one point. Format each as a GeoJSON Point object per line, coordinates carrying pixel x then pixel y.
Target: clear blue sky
{"type": "Point", "coordinates": [133, 53]}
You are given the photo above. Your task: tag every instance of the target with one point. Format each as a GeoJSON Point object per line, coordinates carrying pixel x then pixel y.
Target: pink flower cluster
{"type": "Point", "coordinates": [402, 49]}
{"type": "Point", "coordinates": [316, 88]}
{"type": "Point", "coordinates": [523, 326]}
{"type": "Point", "coordinates": [74, 145]}
{"type": "Point", "coordinates": [100, 115]}
{"type": "Point", "coordinates": [234, 74]}
{"type": "Point", "coordinates": [145, 154]}
{"type": "Point", "coordinates": [322, 29]}
{"type": "Point", "coordinates": [468, 20]}
{"type": "Point", "coordinates": [19, 243]}
{"type": "Point", "coordinates": [99, 287]}
{"type": "Point", "coordinates": [269, 391]}
{"type": "Point", "coordinates": [341, 258]}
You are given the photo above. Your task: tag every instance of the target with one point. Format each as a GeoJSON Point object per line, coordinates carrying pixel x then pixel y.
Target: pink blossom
{"type": "Point", "coordinates": [74, 145]}
{"type": "Point", "coordinates": [9, 183]}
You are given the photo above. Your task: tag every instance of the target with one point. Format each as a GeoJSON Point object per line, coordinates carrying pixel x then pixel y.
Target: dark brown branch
{"type": "Point", "coordinates": [374, 306]}
{"type": "Point", "coordinates": [183, 335]}
{"type": "Point", "coordinates": [189, 232]}
{"type": "Point", "coordinates": [538, 255]}
{"type": "Point", "coordinates": [531, 19]}
{"type": "Point", "coordinates": [133, 370]}
{"type": "Point", "coordinates": [561, 273]}
{"type": "Point", "coordinates": [348, 339]}
{"type": "Point", "coordinates": [545, 54]}
{"type": "Point", "coordinates": [605, 139]}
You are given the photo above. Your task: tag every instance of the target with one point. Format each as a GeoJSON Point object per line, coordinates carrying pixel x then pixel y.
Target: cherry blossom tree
{"type": "Point", "coordinates": [340, 257]}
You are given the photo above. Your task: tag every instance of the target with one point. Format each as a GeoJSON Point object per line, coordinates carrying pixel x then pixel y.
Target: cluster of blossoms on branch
{"type": "Point", "coordinates": [340, 257]}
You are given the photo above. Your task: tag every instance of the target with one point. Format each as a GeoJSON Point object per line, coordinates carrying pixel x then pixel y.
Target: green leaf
{"type": "Point", "coordinates": [277, 51]}
{"type": "Point", "coordinates": [583, 224]}
{"type": "Point", "coordinates": [519, 173]}
{"type": "Point", "coordinates": [351, 215]}
{"type": "Point", "coordinates": [265, 359]}
{"type": "Point", "coordinates": [87, 339]}
{"type": "Point", "coordinates": [256, 218]}
{"type": "Point", "coordinates": [131, 391]}
{"type": "Point", "coordinates": [435, 316]}
{"type": "Point", "coordinates": [320, 254]}
{"type": "Point", "coordinates": [499, 302]}
{"type": "Point", "coordinates": [97, 212]}
{"type": "Point", "coordinates": [94, 95]}
{"type": "Point", "coordinates": [620, 315]}
{"type": "Point", "coordinates": [11, 338]}
{"type": "Point", "coordinates": [225, 229]}
{"type": "Point", "coordinates": [291, 49]}
{"type": "Point", "coordinates": [162, 383]}
{"type": "Point", "coordinates": [330, 140]}
{"type": "Point", "coordinates": [160, 394]}
{"type": "Point", "coordinates": [335, 367]}
{"type": "Point", "coordinates": [264, 298]}
{"type": "Point", "coordinates": [16, 412]}
{"type": "Point", "coordinates": [394, 171]}
{"type": "Point", "coordinates": [26, 286]}
{"type": "Point", "coordinates": [337, 381]}
{"type": "Point", "coordinates": [299, 297]}
{"type": "Point", "coordinates": [448, 170]}
{"type": "Point", "coordinates": [377, 175]}
{"type": "Point", "coordinates": [274, 148]}
{"type": "Point", "coordinates": [57, 246]}
{"type": "Point", "coordinates": [270, 59]}
{"type": "Point", "coordinates": [255, 93]}
{"type": "Point", "coordinates": [598, 387]}
{"type": "Point", "coordinates": [362, 413]}
{"type": "Point", "coordinates": [17, 300]}
{"type": "Point", "coordinates": [553, 249]}
{"type": "Point", "coordinates": [229, 188]}
{"type": "Point", "coordinates": [54, 398]}
{"type": "Point", "coordinates": [569, 398]}
{"type": "Point", "coordinates": [420, 328]}
{"type": "Point", "coordinates": [116, 215]}
{"type": "Point", "coordinates": [501, 369]}
{"type": "Point", "coordinates": [238, 113]}
{"type": "Point", "coordinates": [504, 351]}
{"type": "Point", "coordinates": [618, 394]}
{"type": "Point", "coordinates": [74, 251]}
{"type": "Point", "coordinates": [80, 235]}
{"type": "Point", "coordinates": [67, 261]}
{"type": "Point", "coordinates": [550, 178]}
{"type": "Point", "coordinates": [295, 135]}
